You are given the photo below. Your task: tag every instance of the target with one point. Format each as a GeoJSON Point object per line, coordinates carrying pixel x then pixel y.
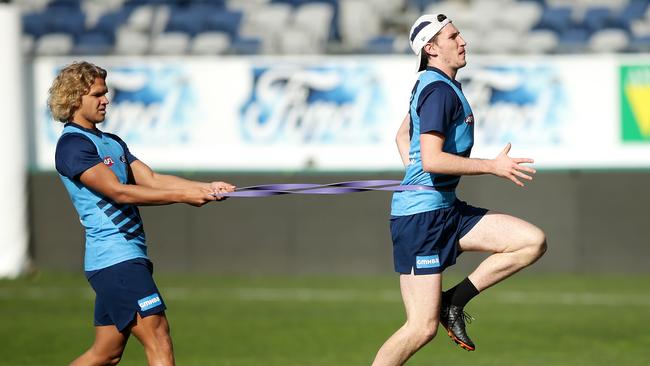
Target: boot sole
{"type": "Point", "coordinates": [462, 344]}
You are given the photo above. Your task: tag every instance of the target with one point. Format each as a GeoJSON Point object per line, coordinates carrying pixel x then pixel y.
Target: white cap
{"type": "Point", "coordinates": [425, 28]}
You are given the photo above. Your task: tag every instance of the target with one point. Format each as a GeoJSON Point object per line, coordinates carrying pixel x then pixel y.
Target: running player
{"type": "Point", "coordinates": [431, 228]}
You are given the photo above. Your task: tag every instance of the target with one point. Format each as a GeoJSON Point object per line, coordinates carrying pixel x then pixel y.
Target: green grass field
{"type": "Point", "coordinates": [233, 321]}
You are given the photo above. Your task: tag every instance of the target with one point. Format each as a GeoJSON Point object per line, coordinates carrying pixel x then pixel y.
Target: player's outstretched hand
{"type": "Point", "coordinates": [199, 195]}
{"type": "Point", "coordinates": [512, 168]}
{"type": "Point", "coordinates": [221, 187]}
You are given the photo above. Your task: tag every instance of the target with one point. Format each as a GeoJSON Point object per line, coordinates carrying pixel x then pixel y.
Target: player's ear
{"type": "Point", "coordinates": [430, 49]}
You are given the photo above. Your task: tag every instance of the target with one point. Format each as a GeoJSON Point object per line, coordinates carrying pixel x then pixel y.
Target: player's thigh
{"type": "Point", "coordinates": [421, 296]}
{"type": "Point", "coordinates": [151, 329]}
{"type": "Point", "coordinates": [109, 342]}
{"type": "Point", "coordinates": [498, 233]}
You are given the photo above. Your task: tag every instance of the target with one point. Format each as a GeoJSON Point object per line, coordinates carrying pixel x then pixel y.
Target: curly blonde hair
{"type": "Point", "coordinates": [72, 82]}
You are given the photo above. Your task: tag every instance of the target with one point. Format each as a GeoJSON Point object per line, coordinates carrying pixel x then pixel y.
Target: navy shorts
{"type": "Point", "coordinates": [427, 242]}
{"type": "Point", "coordinates": [124, 289]}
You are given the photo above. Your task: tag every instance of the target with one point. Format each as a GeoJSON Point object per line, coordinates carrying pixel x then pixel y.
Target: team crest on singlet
{"type": "Point", "coordinates": [108, 161]}
{"type": "Point", "coordinates": [470, 119]}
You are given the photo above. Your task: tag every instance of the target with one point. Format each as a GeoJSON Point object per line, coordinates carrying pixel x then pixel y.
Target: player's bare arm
{"type": "Point", "coordinates": [434, 160]}
{"type": "Point", "coordinates": [403, 140]}
{"type": "Point", "coordinates": [101, 179]}
{"type": "Point", "coordinates": [145, 176]}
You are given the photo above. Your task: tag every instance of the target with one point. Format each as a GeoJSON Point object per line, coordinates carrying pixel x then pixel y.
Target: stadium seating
{"type": "Point", "coordinates": [327, 26]}
{"type": "Point", "coordinates": [609, 40]}
{"type": "Point", "coordinates": [51, 44]}
{"type": "Point", "coordinates": [210, 43]}
{"type": "Point", "coordinates": [94, 43]}
{"type": "Point", "coordinates": [131, 42]}
{"type": "Point", "coordinates": [170, 43]}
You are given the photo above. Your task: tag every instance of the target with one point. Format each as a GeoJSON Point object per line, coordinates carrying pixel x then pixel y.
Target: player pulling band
{"type": "Point", "coordinates": [106, 183]}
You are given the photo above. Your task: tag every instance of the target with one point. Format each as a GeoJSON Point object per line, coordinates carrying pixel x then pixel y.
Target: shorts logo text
{"type": "Point", "coordinates": [149, 302]}
{"type": "Point", "coordinates": [429, 261]}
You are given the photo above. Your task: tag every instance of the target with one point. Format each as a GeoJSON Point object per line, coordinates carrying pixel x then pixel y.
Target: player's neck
{"type": "Point", "coordinates": [85, 124]}
{"type": "Point", "coordinates": [446, 69]}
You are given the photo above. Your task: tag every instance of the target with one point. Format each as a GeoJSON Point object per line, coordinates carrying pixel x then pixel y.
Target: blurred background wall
{"type": "Point", "coordinates": [265, 91]}
{"type": "Point", "coordinates": [596, 222]}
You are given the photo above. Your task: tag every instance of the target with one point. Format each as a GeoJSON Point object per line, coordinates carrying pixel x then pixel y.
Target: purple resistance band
{"type": "Point", "coordinates": [332, 188]}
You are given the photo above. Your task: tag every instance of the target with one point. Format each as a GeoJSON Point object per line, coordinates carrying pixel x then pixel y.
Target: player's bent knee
{"type": "Point", "coordinates": [540, 245]}
{"type": "Point", "coordinates": [424, 333]}
{"type": "Point", "coordinates": [428, 333]}
{"type": "Point", "coordinates": [536, 246]}
{"type": "Point", "coordinates": [543, 247]}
